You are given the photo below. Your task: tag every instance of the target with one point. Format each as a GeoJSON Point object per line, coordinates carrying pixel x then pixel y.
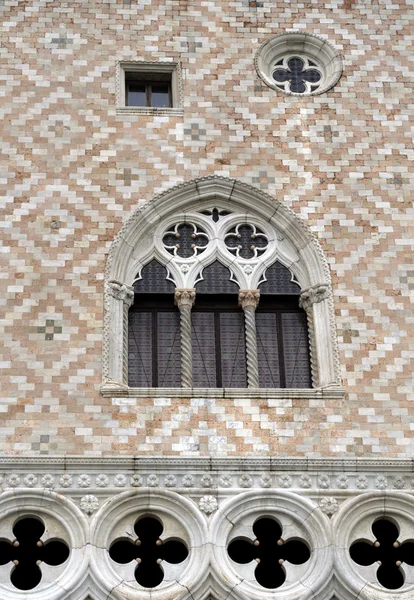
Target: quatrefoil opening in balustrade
{"type": "Point", "coordinates": [387, 551]}
{"type": "Point", "coordinates": [270, 551]}
{"type": "Point", "coordinates": [27, 551]}
{"type": "Point", "coordinates": [246, 241]}
{"type": "Point", "coordinates": [149, 550]}
{"type": "Point", "coordinates": [186, 240]}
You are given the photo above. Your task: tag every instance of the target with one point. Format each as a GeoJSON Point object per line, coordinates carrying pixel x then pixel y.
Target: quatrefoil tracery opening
{"type": "Point", "coordinates": [149, 550]}
{"type": "Point", "coordinates": [270, 551]}
{"type": "Point", "coordinates": [246, 241]}
{"type": "Point", "coordinates": [298, 75]}
{"type": "Point", "coordinates": [27, 551]}
{"type": "Point", "coordinates": [185, 240]}
{"type": "Point", "coordinates": [387, 551]}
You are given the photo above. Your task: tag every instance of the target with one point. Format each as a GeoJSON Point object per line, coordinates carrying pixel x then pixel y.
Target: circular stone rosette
{"type": "Point", "coordinates": [321, 63]}
{"type": "Point", "coordinates": [181, 521]}
{"type": "Point", "coordinates": [352, 523]}
{"type": "Point", "coordinates": [62, 521]}
{"type": "Point", "coordinates": [299, 519]}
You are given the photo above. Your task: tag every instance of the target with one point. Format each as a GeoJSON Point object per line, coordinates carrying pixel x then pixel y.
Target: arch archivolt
{"type": "Point", "coordinates": [287, 239]}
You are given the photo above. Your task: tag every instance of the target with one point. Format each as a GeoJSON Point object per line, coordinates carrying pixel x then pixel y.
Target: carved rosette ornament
{"type": "Point", "coordinates": [120, 291]}
{"type": "Point", "coordinates": [184, 299]}
{"type": "Point", "coordinates": [314, 295]}
{"type": "Point", "coordinates": [248, 300]}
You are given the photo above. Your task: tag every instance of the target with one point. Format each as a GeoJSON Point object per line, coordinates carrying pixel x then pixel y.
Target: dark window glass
{"type": "Point", "coordinates": [155, 94]}
{"type": "Point", "coordinates": [160, 95]}
{"type": "Point", "coordinates": [219, 351]}
{"type": "Point", "coordinates": [282, 345]}
{"type": "Point", "coordinates": [136, 94]}
{"type": "Point", "coordinates": [204, 350]}
{"type": "Point", "coordinates": [154, 343]}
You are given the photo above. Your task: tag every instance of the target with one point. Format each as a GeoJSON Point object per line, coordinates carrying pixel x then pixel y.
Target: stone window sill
{"type": "Point", "coordinates": [146, 110]}
{"type": "Point", "coordinates": [113, 390]}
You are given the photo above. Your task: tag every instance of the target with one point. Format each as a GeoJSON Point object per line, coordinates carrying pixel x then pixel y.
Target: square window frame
{"type": "Point", "coordinates": [152, 68]}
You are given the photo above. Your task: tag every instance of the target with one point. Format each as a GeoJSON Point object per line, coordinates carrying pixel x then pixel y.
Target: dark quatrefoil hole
{"type": "Point", "coordinates": [27, 551]}
{"type": "Point", "coordinates": [387, 551]}
{"type": "Point", "coordinates": [149, 551]}
{"type": "Point", "coordinates": [215, 214]}
{"type": "Point", "coordinates": [296, 74]}
{"type": "Point", "coordinates": [246, 240]}
{"type": "Point", "coordinates": [187, 240]}
{"type": "Point", "coordinates": [270, 551]}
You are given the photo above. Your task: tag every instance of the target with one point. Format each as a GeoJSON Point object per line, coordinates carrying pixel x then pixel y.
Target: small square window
{"type": "Point", "coordinates": [149, 87]}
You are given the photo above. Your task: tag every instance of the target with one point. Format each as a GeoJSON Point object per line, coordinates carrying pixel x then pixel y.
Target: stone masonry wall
{"type": "Point", "coordinates": [73, 170]}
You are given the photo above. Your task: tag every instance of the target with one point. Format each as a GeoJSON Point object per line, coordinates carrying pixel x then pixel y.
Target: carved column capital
{"type": "Point", "coordinates": [121, 291]}
{"type": "Point", "coordinates": [184, 297]}
{"type": "Point", "coordinates": [313, 295]}
{"type": "Point", "coordinates": [249, 298]}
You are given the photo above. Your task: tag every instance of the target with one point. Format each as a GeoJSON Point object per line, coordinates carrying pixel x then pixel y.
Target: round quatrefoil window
{"type": "Point", "coordinates": [27, 551]}
{"type": "Point", "coordinates": [272, 545]}
{"type": "Point", "coordinates": [148, 544]}
{"type": "Point", "coordinates": [374, 545]}
{"type": "Point", "coordinates": [298, 64]}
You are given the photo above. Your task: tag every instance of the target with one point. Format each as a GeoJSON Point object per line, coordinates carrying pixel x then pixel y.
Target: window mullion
{"type": "Point", "coordinates": [217, 338]}
{"type": "Point", "coordinates": [248, 300]}
{"type": "Point", "coordinates": [184, 299]}
{"type": "Point", "coordinates": [155, 348]}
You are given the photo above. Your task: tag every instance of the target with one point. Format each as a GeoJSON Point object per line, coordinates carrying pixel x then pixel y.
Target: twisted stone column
{"type": "Point", "coordinates": [248, 300]}
{"type": "Point", "coordinates": [314, 300]}
{"type": "Point", "coordinates": [184, 299]}
{"type": "Point", "coordinates": [120, 298]}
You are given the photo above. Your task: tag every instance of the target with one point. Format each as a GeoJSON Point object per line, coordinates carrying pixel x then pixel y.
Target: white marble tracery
{"type": "Point", "coordinates": [207, 522]}
{"type": "Point", "coordinates": [217, 209]}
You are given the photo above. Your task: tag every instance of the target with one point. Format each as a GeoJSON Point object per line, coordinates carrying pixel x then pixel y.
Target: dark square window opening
{"type": "Point", "coordinates": [148, 90]}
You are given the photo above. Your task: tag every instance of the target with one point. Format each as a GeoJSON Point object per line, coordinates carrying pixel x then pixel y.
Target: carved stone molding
{"type": "Point", "coordinates": [184, 297]}
{"type": "Point", "coordinates": [249, 298]}
{"type": "Point", "coordinates": [120, 291]}
{"type": "Point", "coordinates": [313, 295]}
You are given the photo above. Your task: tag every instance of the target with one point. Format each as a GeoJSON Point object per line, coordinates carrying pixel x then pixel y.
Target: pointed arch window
{"type": "Point", "coordinates": [215, 285]}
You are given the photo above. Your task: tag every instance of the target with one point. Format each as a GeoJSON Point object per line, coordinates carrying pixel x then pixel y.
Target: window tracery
{"type": "Point", "coordinates": [271, 241]}
{"type": "Point", "coordinates": [270, 551]}
{"type": "Point", "coordinates": [387, 551]}
{"type": "Point", "coordinates": [28, 551]}
{"type": "Point", "coordinates": [149, 550]}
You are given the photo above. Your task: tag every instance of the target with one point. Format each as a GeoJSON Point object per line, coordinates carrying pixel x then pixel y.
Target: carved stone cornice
{"type": "Point", "coordinates": [313, 295]}
{"type": "Point", "coordinates": [184, 297]}
{"type": "Point", "coordinates": [121, 291]}
{"type": "Point", "coordinates": [249, 298]}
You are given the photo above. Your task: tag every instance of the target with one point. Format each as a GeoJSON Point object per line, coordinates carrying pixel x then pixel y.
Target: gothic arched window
{"type": "Point", "coordinates": [214, 285]}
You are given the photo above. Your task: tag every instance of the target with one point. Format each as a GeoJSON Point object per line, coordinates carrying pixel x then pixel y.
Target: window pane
{"type": "Point", "coordinates": [233, 351]}
{"type": "Point", "coordinates": [140, 349]}
{"type": "Point", "coordinates": [267, 350]}
{"type": "Point", "coordinates": [136, 94]}
{"type": "Point", "coordinates": [168, 349]}
{"type": "Point", "coordinates": [296, 350]}
{"type": "Point", "coordinates": [160, 96]}
{"type": "Point", "coordinates": [204, 349]}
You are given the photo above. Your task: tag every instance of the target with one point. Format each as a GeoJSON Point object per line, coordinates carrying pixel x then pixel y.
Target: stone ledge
{"type": "Point", "coordinates": [326, 393]}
